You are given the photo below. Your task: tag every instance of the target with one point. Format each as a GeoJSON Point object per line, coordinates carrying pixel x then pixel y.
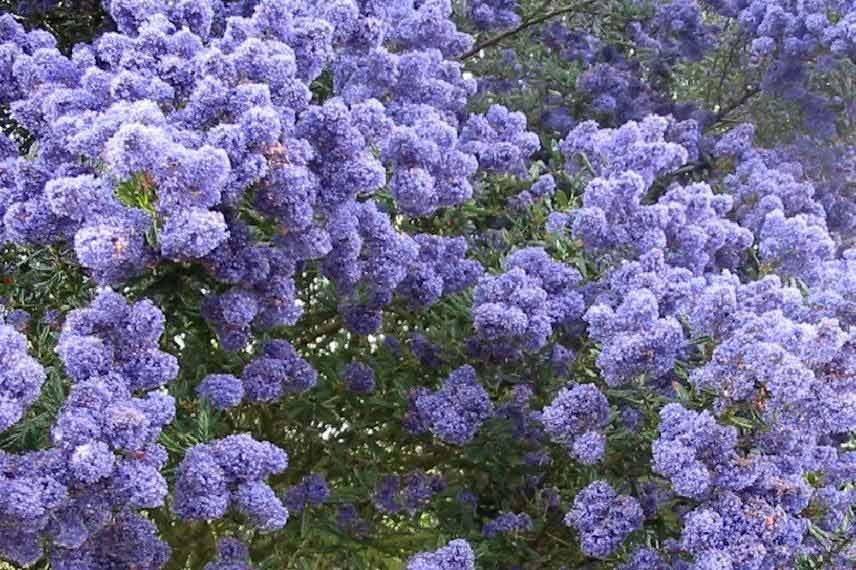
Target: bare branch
{"type": "Point", "coordinates": [523, 26]}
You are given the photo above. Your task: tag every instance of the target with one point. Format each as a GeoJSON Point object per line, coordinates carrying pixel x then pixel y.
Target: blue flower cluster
{"type": "Point", "coordinates": [359, 378]}
{"type": "Point", "coordinates": [231, 555]}
{"type": "Point", "coordinates": [230, 473]}
{"type": "Point", "coordinates": [507, 523]}
{"type": "Point", "coordinates": [576, 418]}
{"type": "Point", "coordinates": [494, 14]}
{"type": "Point", "coordinates": [312, 490]}
{"type": "Point", "coordinates": [457, 555]}
{"type": "Point", "coordinates": [104, 463]}
{"type": "Point", "coordinates": [278, 371]}
{"type": "Point", "coordinates": [603, 518]}
{"type": "Point", "coordinates": [455, 412]}
{"type": "Point", "coordinates": [21, 378]}
{"type": "Point", "coordinates": [523, 306]}
{"type": "Point", "coordinates": [410, 494]}
{"type": "Point", "coordinates": [693, 450]}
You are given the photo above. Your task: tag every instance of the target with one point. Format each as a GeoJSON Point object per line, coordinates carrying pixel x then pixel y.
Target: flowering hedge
{"type": "Point", "coordinates": [428, 285]}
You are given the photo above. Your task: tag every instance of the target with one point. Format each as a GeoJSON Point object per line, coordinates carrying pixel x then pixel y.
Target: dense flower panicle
{"type": "Point", "coordinates": [105, 454]}
{"type": "Point", "coordinates": [230, 473]}
{"type": "Point", "coordinates": [221, 390]}
{"type": "Point", "coordinates": [742, 532]}
{"type": "Point", "coordinates": [432, 164]}
{"type": "Point", "coordinates": [523, 305]}
{"type": "Point", "coordinates": [278, 371]}
{"type": "Point", "coordinates": [640, 147]}
{"type": "Point", "coordinates": [113, 336]}
{"type": "Point", "coordinates": [688, 223]}
{"type": "Point", "coordinates": [645, 559]}
{"type": "Point", "coordinates": [494, 14]}
{"type": "Point", "coordinates": [512, 306]}
{"type": "Point", "coordinates": [130, 542]}
{"type": "Point", "coordinates": [507, 523]}
{"type": "Point", "coordinates": [603, 518]}
{"type": "Point", "coordinates": [576, 419]}
{"type": "Point", "coordinates": [564, 301]}
{"type": "Point", "coordinates": [636, 340]}
{"type": "Point", "coordinates": [678, 29]}
{"type": "Point", "coordinates": [835, 292]}
{"type": "Point", "coordinates": [261, 505]}
{"type": "Point", "coordinates": [544, 186]}
{"type": "Point", "coordinates": [21, 378]}
{"type": "Point", "coordinates": [699, 237]}
{"type": "Point", "coordinates": [500, 140]}
{"type": "Point", "coordinates": [359, 378]}
{"type": "Point", "coordinates": [231, 555]}
{"type": "Point", "coordinates": [457, 555]}
{"type": "Point", "coordinates": [312, 490]}
{"type": "Point", "coordinates": [795, 246]}
{"type": "Point", "coordinates": [455, 412]}
{"type": "Point", "coordinates": [440, 269]}
{"type": "Point", "coordinates": [693, 451]}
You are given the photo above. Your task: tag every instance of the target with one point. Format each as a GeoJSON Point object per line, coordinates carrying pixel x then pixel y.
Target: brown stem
{"type": "Point", "coordinates": [527, 24]}
{"type": "Point", "coordinates": [725, 111]}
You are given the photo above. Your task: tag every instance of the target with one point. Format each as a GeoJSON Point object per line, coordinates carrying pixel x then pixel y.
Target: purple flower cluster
{"type": "Point", "coordinates": [455, 412]}
{"type": "Point", "coordinates": [523, 305]}
{"type": "Point", "coordinates": [457, 555]}
{"type": "Point", "coordinates": [312, 490]}
{"type": "Point", "coordinates": [359, 378]}
{"type": "Point", "coordinates": [636, 340]}
{"type": "Point", "coordinates": [370, 261]}
{"type": "Point", "coordinates": [500, 141]}
{"type": "Point", "coordinates": [230, 473]}
{"type": "Point", "coordinates": [688, 222]}
{"type": "Point", "coordinates": [278, 371]}
{"type": "Point", "coordinates": [112, 336]}
{"type": "Point", "coordinates": [411, 494]}
{"type": "Point", "coordinates": [104, 463]}
{"type": "Point", "coordinates": [494, 14]}
{"type": "Point", "coordinates": [231, 555]}
{"type": "Point", "coordinates": [744, 533]}
{"type": "Point", "coordinates": [693, 451]}
{"type": "Point", "coordinates": [576, 419]}
{"type": "Point", "coordinates": [223, 391]}
{"type": "Point", "coordinates": [507, 523]}
{"type": "Point", "coordinates": [642, 147]}
{"type": "Point", "coordinates": [603, 518]}
{"type": "Point", "coordinates": [677, 30]}
{"type": "Point", "coordinates": [21, 378]}
{"type": "Point", "coordinates": [440, 269]}
{"type": "Point", "coordinates": [130, 541]}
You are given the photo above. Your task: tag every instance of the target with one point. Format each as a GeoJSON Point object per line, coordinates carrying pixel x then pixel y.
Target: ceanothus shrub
{"type": "Point", "coordinates": [428, 285]}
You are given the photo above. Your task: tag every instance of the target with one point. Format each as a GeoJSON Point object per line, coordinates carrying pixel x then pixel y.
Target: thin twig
{"type": "Point", "coordinates": [527, 24]}
{"type": "Point", "coordinates": [725, 111]}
